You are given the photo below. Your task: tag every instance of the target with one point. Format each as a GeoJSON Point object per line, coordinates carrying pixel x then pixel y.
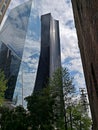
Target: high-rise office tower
{"type": "Point", "coordinates": [50, 58]}
{"type": "Point", "coordinates": [3, 7]}
{"type": "Point", "coordinates": [20, 50]}
{"type": "Point", "coordinates": [12, 40]}
{"type": "Point", "coordinates": [30, 52]}
{"type": "Point", "coordinates": [86, 21]}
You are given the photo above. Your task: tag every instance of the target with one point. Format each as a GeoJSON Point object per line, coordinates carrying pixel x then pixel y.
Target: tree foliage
{"type": "Point", "coordinates": [48, 107]}
{"type": "Point", "coordinates": [3, 83]}
{"type": "Point", "coordinates": [76, 119]}
{"type": "Point", "coordinates": [15, 119]}
{"type": "Point", "coordinates": [40, 106]}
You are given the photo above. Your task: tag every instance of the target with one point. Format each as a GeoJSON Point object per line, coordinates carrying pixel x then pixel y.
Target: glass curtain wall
{"type": "Point", "coordinates": [28, 69]}
{"type": "Point", "coordinates": [20, 49]}
{"type": "Point", "coordinates": [21, 35]}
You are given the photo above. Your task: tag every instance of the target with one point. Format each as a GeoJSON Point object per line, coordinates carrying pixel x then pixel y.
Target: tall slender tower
{"type": "Point", "coordinates": [3, 7]}
{"type": "Point", "coordinates": [50, 58]}
{"type": "Point", "coordinates": [86, 21]}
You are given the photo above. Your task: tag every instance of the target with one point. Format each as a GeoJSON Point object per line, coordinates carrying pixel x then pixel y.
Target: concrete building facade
{"type": "Point", "coordinates": [86, 21]}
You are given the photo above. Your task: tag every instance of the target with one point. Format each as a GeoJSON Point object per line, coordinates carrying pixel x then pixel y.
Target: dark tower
{"type": "Point", "coordinates": [86, 21]}
{"type": "Point", "coordinates": [50, 58]}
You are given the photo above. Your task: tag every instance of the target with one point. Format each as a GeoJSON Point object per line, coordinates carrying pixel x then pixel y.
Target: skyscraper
{"type": "Point", "coordinates": [30, 49]}
{"type": "Point", "coordinates": [50, 58]}
{"type": "Point", "coordinates": [3, 7]}
{"type": "Point", "coordinates": [86, 21]}
{"type": "Point", "coordinates": [12, 40]}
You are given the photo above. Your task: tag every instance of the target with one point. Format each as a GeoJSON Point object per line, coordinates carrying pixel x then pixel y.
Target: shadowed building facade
{"type": "Point", "coordinates": [3, 7]}
{"type": "Point", "coordinates": [86, 21]}
{"type": "Point", "coordinates": [50, 58]}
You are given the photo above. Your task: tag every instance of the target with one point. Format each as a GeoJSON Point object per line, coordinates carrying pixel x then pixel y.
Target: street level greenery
{"type": "Point", "coordinates": [3, 87]}
{"type": "Point", "coordinates": [51, 108]}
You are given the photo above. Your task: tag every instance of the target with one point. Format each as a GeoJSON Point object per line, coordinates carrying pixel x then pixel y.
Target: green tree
{"type": "Point", "coordinates": [3, 87]}
{"type": "Point", "coordinates": [15, 119]}
{"type": "Point", "coordinates": [68, 91]}
{"type": "Point", "coordinates": [40, 106]}
{"type": "Point", "coordinates": [46, 106]}
{"type": "Point", "coordinates": [76, 119]}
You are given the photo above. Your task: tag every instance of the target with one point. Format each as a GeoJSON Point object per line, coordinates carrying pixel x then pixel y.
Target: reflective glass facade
{"type": "Point", "coordinates": [30, 59]}
{"type": "Point", "coordinates": [30, 39]}
{"type": "Point", "coordinates": [50, 58]}
{"type": "Point", "coordinates": [12, 40]}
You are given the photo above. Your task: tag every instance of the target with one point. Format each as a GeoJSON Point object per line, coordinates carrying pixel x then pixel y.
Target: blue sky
{"type": "Point", "coordinates": [62, 11]}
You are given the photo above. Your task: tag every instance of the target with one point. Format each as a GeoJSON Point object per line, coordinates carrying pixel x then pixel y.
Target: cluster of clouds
{"type": "Point", "coordinates": [70, 55]}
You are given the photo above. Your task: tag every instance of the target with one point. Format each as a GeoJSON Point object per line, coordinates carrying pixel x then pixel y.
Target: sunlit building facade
{"type": "Point", "coordinates": [3, 7]}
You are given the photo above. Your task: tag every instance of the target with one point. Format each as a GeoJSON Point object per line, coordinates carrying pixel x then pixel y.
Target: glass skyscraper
{"type": "Point", "coordinates": [12, 39]}
{"type": "Point", "coordinates": [49, 59]}
{"type": "Point", "coordinates": [26, 40]}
